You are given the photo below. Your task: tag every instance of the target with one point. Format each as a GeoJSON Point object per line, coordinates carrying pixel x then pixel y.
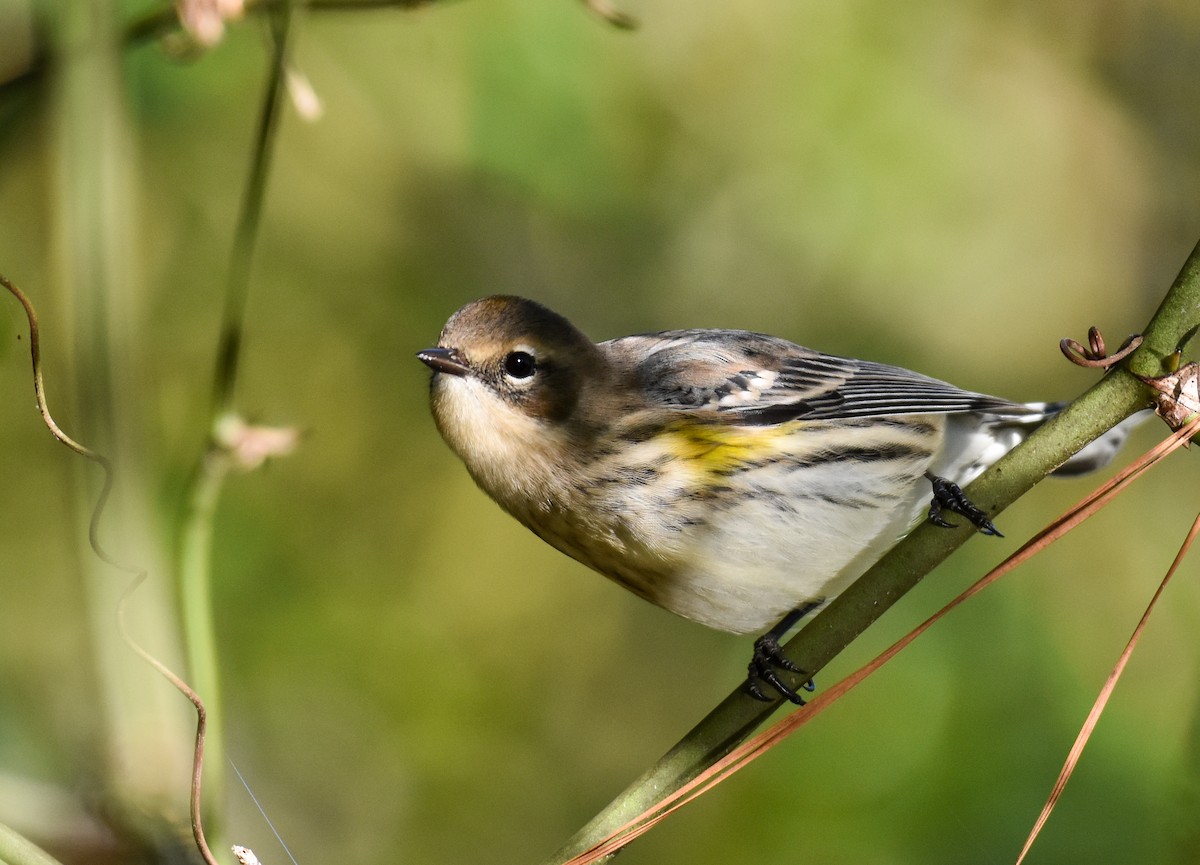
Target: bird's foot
{"type": "Point", "coordinates": [764, 668]}
{"type": "Point", "coordinates": [948, 496]}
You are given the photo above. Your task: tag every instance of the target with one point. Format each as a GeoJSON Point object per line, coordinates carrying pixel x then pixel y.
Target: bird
{"type": "Point", "coordinates": [734, 478]}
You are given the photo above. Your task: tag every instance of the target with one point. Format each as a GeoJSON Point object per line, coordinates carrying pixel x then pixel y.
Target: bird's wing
{"type": "Point", "coordinates": [756, 379]}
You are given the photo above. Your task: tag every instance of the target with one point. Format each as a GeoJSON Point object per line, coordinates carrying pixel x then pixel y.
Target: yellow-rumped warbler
{"type": "Point", "coordinates": [734, 478]}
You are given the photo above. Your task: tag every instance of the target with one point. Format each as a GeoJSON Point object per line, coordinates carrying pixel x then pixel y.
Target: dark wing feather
{"type": "Point", "coordinates": [752, 378]}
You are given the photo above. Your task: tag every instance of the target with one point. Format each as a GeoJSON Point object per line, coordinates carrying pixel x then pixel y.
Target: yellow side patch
{"type": "Point", "coordinates": [716, 448]}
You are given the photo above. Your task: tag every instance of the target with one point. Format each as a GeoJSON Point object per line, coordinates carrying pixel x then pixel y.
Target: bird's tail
{"type": "Point", "coordinates": [1096, 454]}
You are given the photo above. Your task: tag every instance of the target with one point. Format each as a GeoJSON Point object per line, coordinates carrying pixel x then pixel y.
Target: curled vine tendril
{"type": "Point", "coordinates": [1094, 355]}
{"type": "Point", "coordinates": [138, 575]}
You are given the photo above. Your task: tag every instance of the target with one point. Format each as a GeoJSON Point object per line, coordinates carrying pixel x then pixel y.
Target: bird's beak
{"type": "Point", "coordinates": [446, 360]}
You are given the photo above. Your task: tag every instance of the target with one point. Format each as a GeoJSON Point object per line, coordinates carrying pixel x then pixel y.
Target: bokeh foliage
{"type": "Point", "coordinates": [412, 677]}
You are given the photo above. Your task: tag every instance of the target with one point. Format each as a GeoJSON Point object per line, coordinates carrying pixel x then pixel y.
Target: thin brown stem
{"type": "Point", "coordinates": [138, 575]}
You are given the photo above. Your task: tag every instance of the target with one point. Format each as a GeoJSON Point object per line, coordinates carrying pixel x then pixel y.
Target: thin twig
{"type": "Point", "coordinates": [138, 575]}
{"type": "Point", "coordinates": [164, 21]}
{"type": "Point", "coordinates": [237, 288]}
{"type": "Point", "coordinates": [203, 494]}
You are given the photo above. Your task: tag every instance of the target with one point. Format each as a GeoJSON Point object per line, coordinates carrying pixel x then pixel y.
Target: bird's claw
{"type": "Point", "coordinates": [768, 660]}
{"type": "Point", "coordinates": [948, 496]}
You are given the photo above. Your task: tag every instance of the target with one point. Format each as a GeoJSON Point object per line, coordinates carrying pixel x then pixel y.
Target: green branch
{"type": "Point", "coordinates": [15, 849]}
{"type": "Point", "coordinates": [1110, 401]}
{"type": "Point", "coordinates": [196, 526]}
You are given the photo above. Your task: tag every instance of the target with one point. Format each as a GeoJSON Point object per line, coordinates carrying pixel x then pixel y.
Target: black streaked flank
{"type": "Point", "coordinates": [854, 453]}
{"type": "Point", "coordinates": [871, 500]}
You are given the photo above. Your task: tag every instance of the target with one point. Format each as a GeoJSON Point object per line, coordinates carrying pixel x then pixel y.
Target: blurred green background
{"type": "Point", "coordinates": [410, 676]}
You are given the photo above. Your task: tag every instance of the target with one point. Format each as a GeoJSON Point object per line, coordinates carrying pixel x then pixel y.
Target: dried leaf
{"type": "Point", "coordinates": [1177, 396]}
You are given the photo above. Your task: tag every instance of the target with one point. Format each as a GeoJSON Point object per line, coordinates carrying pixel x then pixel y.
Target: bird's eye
{"type": "Point", "coordinates": [519, 364]}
